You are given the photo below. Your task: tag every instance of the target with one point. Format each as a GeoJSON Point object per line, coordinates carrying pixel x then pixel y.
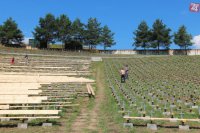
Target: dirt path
{"type": "Point", "coordinates": [81, 121]}
{"type": "Point", "coordinates": [88, 119]}
{"type": "Point", "coordinates": [98, 101]}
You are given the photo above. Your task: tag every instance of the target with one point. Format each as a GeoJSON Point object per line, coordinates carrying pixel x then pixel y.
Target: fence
{"type": "Point", "coordinates": [153, 52]}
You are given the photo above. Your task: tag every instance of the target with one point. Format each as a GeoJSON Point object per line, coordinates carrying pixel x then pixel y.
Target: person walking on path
{"type": "Point", "coordinates": [126, 71]}
{"type": "Point", "coordinates": [122, 73]}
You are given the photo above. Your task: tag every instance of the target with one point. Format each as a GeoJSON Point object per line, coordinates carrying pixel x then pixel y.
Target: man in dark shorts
{"type": "Point", "coordinates": [122, 73]}
{"type": "Point", "coordinates": [126, 71]}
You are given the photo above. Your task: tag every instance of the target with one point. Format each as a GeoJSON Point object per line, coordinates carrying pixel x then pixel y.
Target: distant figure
{"type": "Point", "coordinates": [126, 71]}
{"type": "Point", "coordinates": [26, 56]}
{"type": "Point", "coordinates": [26, 59]}
{"type": "Point", "coordinates": [12, 60]}
{"type": "Point", "coordinates": [122, 73]}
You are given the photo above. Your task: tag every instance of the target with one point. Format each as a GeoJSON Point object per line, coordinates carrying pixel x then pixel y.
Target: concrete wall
{"type": "Point", "coordinates": [194, 52]}
{"type": "Point", "coordinates": [153, 52]}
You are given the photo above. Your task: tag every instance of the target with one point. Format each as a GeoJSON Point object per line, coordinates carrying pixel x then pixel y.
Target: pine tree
{"type": "Point", "coordinates": [77, 31]}
{"type": "Point", "coordinates": [142, 36]}
{"type": "Point", "coordinates": [10, 33]}
{"type": "Point", "coordinates": [93, 33]}
{"type": "Point", "coordinates": [160, 35]}
{"type": "Point", "coordinates": [107, 37]}
{"type": "Point", "coordinates": [63, 29]}
{"type": "Point", "coordinates": [182, 38]}
{"type": "Point", "coordinates": [46, 32]}
{"type": "Point", "coordinates": [77, 35]}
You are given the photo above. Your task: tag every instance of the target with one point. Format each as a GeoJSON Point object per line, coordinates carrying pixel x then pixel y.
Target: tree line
{"type": "Point", "coordinates": [51, 29]}
{"type": "Point", "coordinates": [72, 34]}
{"type": "Point", "coordinates": [160, 36]}
{"type": "Point", "coordinates": [75, 34]}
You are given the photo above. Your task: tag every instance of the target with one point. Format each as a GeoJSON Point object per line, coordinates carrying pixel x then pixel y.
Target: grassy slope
{"type": "Point", "coordinates": [111, 120]}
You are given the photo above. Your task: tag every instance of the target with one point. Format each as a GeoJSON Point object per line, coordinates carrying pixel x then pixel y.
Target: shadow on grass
{"type": "Point", "coordinates": [33, 124]}
{"type": "Point", "coordinates": [163, 126]}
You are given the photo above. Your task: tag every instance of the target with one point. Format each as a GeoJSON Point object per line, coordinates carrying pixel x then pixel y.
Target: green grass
{"type": "Point", "coordinates": [55, 46]}
{"type": "Point", "coordinates": [149, 73]}
{"type": "Point", "coordinates": [111, 120]}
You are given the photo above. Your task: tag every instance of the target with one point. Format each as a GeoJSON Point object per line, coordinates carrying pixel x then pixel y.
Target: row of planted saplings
{"type": "Point", "coordinates": [150, 68]}
{"type": "Point", "coordinates": [173, 103]}
{"type": "Point", "coordinates": [119, 101]}
{"type": "Point", "coordinates": [168, 101]}
{"type": "Point", "coordinates": [158, 96]}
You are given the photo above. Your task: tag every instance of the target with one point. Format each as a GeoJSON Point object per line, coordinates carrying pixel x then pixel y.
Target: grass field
{"type": "Point", "coordinates": [162, 87]}
{"type": "Point", "coordinates": [158, 87]}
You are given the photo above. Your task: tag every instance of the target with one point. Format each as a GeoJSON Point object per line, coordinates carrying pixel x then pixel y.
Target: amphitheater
{"type": "Point", "coordinates": [41, 88]}
{"type": "Point", "coordinates": [59, 92]}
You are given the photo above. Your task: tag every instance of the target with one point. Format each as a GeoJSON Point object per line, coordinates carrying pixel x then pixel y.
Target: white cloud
{"type": "Point", "coordinates": [196, 41]}
{"type": "Point", "coordinates": [26, 40]}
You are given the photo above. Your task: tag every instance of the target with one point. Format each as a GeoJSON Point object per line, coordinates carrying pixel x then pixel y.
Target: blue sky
{"type": "Point", "coordinates": [122, 16]}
